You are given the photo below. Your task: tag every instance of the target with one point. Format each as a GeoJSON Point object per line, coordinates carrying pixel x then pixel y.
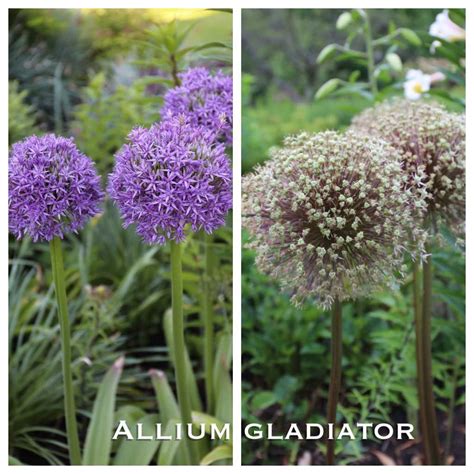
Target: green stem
{"type": "Point", "coordinates": [179, 346]}
{"type": "Point", "coordinates": [335, 384]}
{"type": "Point", "coordinates": [370, 55]}
{"type": "Point", "coordinates": [69, 406]}
{"type": "Point", "coordinates": [208, 323]}
{"type": "Point", "coordinates": [425, 351]}
{"type": "Point", "coordinates": [174, 70]}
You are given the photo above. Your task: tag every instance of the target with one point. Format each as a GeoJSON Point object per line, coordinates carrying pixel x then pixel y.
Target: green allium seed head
{"type": "Point", "coordinates": [431, 141]}
{"type": "Point", "coordinates": [328, 215]}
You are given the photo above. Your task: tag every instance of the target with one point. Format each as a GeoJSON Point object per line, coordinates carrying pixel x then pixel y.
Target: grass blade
{"type": "Point", "coordinates": [208, 420]}
{"type": "Point", "coordinates": [190, 378]}
{"type": "Point", "coordinates": [222, 381]}
{"type": "Point", "coordinates": [14, 461]}
{"type": "Point", "coordinates": [169, 449]}
{"type": "Point", "coordinates": [169, 415]}
{"type": "Point", "coordinates": [165, 397]}
{"type": "Point", "coordinates": [221, 453]}
{"type": "Point", "coordinates": [139, 452]}
{"type": "Point", "coordinates": [130, 414]}
{"type": "Point", "coordinates": [99, 435]}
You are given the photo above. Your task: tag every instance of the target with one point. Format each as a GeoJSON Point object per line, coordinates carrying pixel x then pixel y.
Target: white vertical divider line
{"type": "Point", "coordinates": [237, 240]}
{"type": "Point", "coordinates": [4, 377]}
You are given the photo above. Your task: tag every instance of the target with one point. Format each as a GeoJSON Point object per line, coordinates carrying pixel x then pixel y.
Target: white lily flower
{"type": "Point", "coordinates": [446, 29]}
{"type": "Point", "coordinates": [416, 84]}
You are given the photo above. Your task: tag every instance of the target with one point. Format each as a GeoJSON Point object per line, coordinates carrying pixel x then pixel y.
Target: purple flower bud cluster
{"type": "Point", "coordinates": [170, 176]}
{"type": "Point", "coordinates": [53, 188]}
{"type": "Point", "coordinates": [205, 99]}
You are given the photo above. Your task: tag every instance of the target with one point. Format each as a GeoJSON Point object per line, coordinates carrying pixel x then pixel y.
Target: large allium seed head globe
{"type": "Point", "coordinates": [169, 176]}
{"type": "Point", "coordinates": [205, 99]}
{"type": "Point", "coordinates": [53, 188]}
{"type": "Point", "coordinates": [327, 215]}
{"type": "Point", "coordinates": [431, 141]}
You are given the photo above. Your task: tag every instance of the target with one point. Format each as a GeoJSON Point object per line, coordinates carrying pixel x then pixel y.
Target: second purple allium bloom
{"type": "Point", "coordinates": [171, 175]}
{"type": "Point", "coordinates": [205, 99]}
{"type": "Point", "coordinates": [53, 188]}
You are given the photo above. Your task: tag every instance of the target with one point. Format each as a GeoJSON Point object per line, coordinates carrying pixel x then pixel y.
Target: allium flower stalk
{"type": "Point", "coordinates": [431, 141]}
{"type": "Point", "coordinates": [205, 99]}
{"type": "Point", "coordinates": [169, 177]}
{"type": "Point", "coordinates": [53, 190]}
{"type": "Point", "coordinates": [328, 215]}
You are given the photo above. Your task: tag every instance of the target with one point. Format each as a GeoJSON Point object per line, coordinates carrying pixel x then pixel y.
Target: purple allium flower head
{"type": "Point", "coordinates": [53, 188]}
{"type": "Point", "coordinates": [171, 175]}
{"type": "Point", "coordinates": [205, 99]}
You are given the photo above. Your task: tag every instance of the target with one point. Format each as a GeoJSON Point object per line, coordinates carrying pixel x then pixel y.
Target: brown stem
{"type": "Point", "coordinates": [425, 377]}
{"type": "Point", "coordinates": [419, 358]}
{"type": "Point", "coordinates": [174, 70]}
{"type": "Point", "coordinates": [335, 384]}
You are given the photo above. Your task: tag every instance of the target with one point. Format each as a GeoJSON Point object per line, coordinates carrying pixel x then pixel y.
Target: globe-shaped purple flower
{"type": "Point", "coordinates": [169, 176]}
{"type": "Point", "coordinates": [53, 188]}
{"type": "Point", "coordinates": [205, 99]}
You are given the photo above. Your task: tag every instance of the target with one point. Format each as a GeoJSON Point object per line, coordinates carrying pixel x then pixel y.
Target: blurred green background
{"type": "Point", "coordinates": [285, 351]}
{"type": "Point", "coordinates": [94, 74]}
{"type": "Point", "coordinates": [281, 74]}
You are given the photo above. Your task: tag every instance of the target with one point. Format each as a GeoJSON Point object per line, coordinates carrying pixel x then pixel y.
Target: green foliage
{"type": "Point", "coordinates": [173, 452]}
{"type": "Point", "coordinates": [98, 441]}
{"type": "Point", "coordinates": [118, 290]}
{"type": "Point", "coordinates": [384, 76]}
{"type": "Point", "coordinates": [54, 53]}
{"type": "Point", "coordinates": [136, 452]}
{"type": "Point", "coordinates": [286, 356]}
{"type": "Point", "coordinates": [49, 59]}
{"type": "Point", "coordinates": [108, 111]}
{"type": "Point", "coordinates": [287, 61]}
{"type": "Point", "coordinates": [268, 121]}
{"type": "Point", "coordinates": [21, 116]}
{"type": "Point", "coordinates": [35, 390]}
{"type": "Point", "coordinates": [221, 377]}
{"type": "Point", "coordinates": [382, 73]}
{"type": "Point", "coordinates": [221, 453]}
{"type": "Point", "coordinates": [166, 47]}
{"type": "Point", "coordinates": [114, 33]}
{"type": "Point", "coordinates": [105, 117]}
{"type": "Point", "coordinates": [191, 384]}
